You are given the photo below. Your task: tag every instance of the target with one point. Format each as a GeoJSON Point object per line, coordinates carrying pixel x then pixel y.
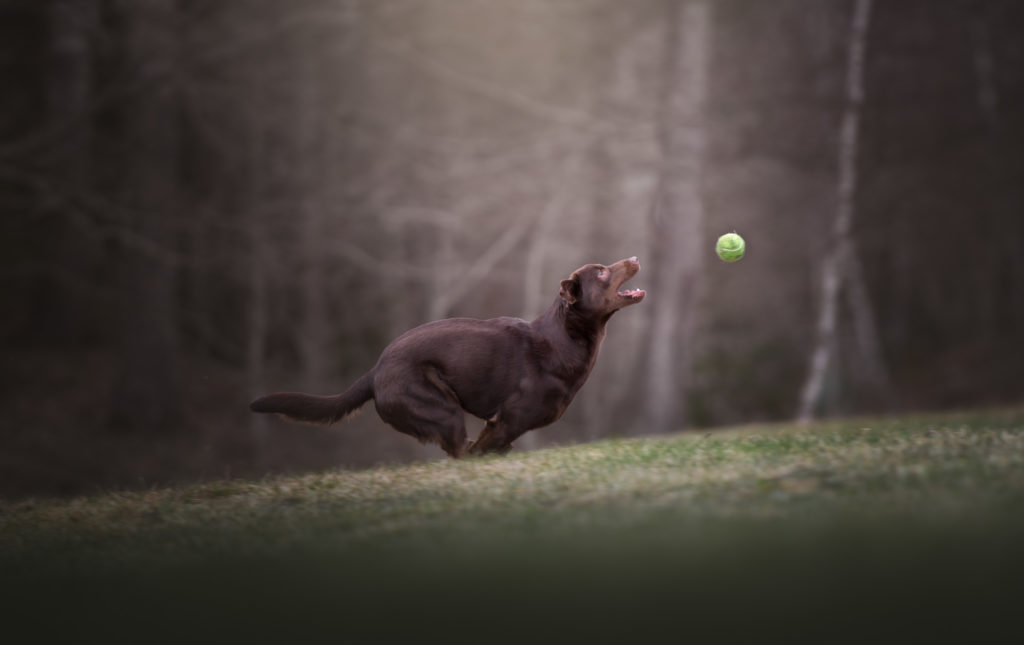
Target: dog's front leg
{"type": "Point", "coordinates": [496, 437]}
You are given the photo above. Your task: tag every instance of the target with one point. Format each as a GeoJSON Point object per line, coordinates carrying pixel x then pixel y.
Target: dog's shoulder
{"type": "Point", "coordinates": [504, 324]}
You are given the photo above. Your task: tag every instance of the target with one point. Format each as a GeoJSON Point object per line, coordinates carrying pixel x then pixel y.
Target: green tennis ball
{"type": "Point", "coordinates": [730, 247]}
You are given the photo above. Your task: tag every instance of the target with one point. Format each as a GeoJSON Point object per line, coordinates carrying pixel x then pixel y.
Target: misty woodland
{"type": "Point", "coordinates": [205, 201]}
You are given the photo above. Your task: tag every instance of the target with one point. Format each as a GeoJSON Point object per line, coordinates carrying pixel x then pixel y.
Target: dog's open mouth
{"type": "Point", "coordinates": [633, 295]}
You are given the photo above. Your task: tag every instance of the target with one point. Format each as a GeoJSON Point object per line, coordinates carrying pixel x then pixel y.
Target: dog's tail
{"type": "Point", "coordinates": [317, 409]}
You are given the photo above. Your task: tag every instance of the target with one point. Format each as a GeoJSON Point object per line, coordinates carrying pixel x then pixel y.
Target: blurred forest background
{"type": "Point", "coordinates": [203, 201]}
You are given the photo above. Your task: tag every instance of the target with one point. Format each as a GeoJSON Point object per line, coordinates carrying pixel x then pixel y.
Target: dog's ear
{"type": "Point", "coordinates": [570, 291]}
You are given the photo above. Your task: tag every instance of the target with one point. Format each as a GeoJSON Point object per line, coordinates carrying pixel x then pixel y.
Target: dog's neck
{"type": "Point", "coordinates": [563, 318]}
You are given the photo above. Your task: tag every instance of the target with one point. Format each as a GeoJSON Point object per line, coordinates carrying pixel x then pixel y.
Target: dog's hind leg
{"type": "Point", "coordinates": [427, 409]}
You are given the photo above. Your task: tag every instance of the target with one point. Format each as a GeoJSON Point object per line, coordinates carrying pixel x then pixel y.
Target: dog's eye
{"type": "Point", "coordinates": [602, 274]}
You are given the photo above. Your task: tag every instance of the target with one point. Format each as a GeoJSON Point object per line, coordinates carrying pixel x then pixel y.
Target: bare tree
{"type": "Point", "coordinates": [984, 67]}
{"type": "Point", "coordinates": [1005, 228]}
{"type": "Point", "coordinates": [841, 264]}
{"type": "Point", "coordinates": [624, 169]}
{"type": "Point", "coordinates": [252, 197]}
{"type": "Point", "coordinates": [148, 393]}
{"type": "Point", "coordinates": [310, 181]}
{"type": "Point", "coordinates": [678, 210]}
{"type": "Point", "coordinates": [70, 87]}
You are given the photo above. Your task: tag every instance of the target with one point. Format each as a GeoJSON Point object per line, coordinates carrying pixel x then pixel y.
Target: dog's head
{"type": "Point", "coordinates": [596, 289]}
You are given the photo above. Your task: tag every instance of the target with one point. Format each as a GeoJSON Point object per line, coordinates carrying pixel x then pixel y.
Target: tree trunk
{"type": "Point", "coordinates": [678, 213]}
{"type": "Point", "coordinates": [1000, 308]}
{"type": "Point", "coordinates": [310, 181]}
{"type": "Point", "coordinates": [56, 307]}
{"type": "Point", "coordinates": [542, 240]}
{"type": "Point", "coordinates": [251, 203]}
{"type": "Point", "coordinates": [840, 264]}
{"type": "Point", "coordinates": [147, 395]}
{"type": "Point", "coordinates": [865, 328]}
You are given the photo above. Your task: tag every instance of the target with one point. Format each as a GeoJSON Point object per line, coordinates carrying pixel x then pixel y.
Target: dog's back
{"type": "Point", "coordinates": [481, 360]}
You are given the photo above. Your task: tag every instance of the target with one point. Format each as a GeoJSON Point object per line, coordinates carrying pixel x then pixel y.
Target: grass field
{"type": "Point", "coordinates": [882, 529]}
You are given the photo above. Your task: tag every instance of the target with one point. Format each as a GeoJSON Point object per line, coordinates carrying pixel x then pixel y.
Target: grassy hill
{"type": "Point", "coordinates": [842, 530]}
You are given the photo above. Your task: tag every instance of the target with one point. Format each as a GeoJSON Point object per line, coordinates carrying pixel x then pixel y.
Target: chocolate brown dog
{"type": "Point", "coordinates": [517, 375]}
